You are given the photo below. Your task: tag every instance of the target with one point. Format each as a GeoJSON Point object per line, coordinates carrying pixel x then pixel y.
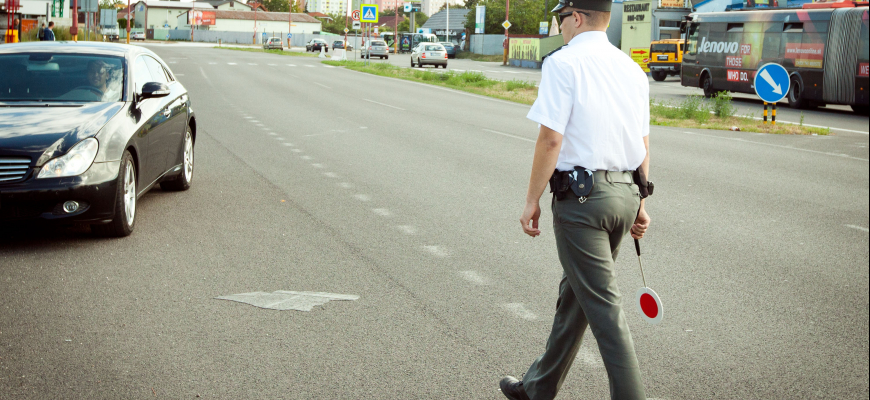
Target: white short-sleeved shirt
{"type": "Point", "coordinates": [598, 99]}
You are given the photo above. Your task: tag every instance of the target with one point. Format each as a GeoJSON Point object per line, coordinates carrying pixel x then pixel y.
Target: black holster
{"type": "Point", "coordinates": [646, 187]}
{"type": "Point", "coordinates": [560, 184]}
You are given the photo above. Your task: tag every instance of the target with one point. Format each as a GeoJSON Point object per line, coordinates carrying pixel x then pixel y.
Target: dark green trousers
{"type": "Point", "coordinates": [587, 238]}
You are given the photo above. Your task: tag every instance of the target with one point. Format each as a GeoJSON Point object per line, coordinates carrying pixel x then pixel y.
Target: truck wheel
{"type": "Point", "coordinates": [659, 76]}
{"type": "Point", "coordinates": [863, 110]}
{"type": "Point", "coordinates": [795, 95]}
{"type": "Point", "coordinates": [707, 85]}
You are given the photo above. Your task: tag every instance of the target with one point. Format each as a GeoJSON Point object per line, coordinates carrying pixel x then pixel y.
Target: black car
{"type": "Point", "coordinates": [316, 44]}
{"type": "Point", "coordinates": [88, 128]}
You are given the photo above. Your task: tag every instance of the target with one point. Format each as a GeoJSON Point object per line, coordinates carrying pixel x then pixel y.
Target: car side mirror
{"type": "Point", "coordinates": [154, 90]}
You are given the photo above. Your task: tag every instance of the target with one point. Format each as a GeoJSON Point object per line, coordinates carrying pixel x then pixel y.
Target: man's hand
{"type": "Point", "coordinates": [529, 220]}
{"type": "Point", "coordinates": [641, 223]}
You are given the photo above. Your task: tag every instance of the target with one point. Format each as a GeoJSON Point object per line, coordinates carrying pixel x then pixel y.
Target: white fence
{"type": "Point", "coordinates": [487, 44]}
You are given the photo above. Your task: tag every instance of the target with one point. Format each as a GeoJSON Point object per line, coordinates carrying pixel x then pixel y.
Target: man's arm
{"type": "Point", "coordinates": [641, 223]}
{"type": "Point", "coordinates": [546, 154]}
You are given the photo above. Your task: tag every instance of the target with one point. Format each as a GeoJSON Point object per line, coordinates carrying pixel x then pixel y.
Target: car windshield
{"type": "Point", "coordinates": [61, 77]}
{"type": "Point", "coordinates": [436, 47]}
{"type": "Point", "coordinates": [663, 48]}
{"type": "Point", "coordinates": [447, 44]}
{"type": "Point", "coordinates": [337, 42]}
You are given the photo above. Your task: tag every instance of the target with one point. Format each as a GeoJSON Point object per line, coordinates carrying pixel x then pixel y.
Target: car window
{"type": "Point", "coordinates": [447, 44]}
{"type": "Point", "coordinates": [141, 76]}
{"type": "Point", "coordinates": [379, 43]}
{"type": "Point", "coordinates": [61, 77]}
{"type": "Point", "coordinates": [434, 47]}
{"type": "Point", "coordinates": [156, 70]}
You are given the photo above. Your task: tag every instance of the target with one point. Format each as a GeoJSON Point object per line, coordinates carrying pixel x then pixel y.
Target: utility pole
{"type": "Point", "coordinates": [256, 6]}
{"type": "Point", "coordinates": [346, 12]}
{"type": "Point", "coordinates": [507, 40]}
{"type": "Point", "coordinates": [128, 21]}
{"type": "Point", "coordinates": [192, 19]}
{"type": "Point", "coordinates": [447, 31]}
{"type": "Point", "coordinates": [74, 29]}
{"type": "Point", "coordinates": [290, 22]}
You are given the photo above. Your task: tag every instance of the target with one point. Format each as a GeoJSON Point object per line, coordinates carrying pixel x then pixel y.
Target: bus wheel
{"type": "Point", "coordinates": [707, 85]}
{"type": "Point", "coordinates": [795, 95]}
{"type": "Point", "coordinates": [863, 110]}
{"type": "Point", "coordinates": [659, 76]}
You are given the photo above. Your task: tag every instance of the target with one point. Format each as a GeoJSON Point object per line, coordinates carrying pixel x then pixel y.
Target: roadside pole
{"type": "Point", "coordinates": [507, 40]}
{"type": "Point", "coordinates": [256, 6]}
{"type": "Point", "coordinates": [128, 22]}
{"type": "Point", "coordinates": [74, 29]}
{"type": "Point", "coordinates": [289, 23]}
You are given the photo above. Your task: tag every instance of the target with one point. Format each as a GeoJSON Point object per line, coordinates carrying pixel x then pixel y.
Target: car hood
{"type": "Point", "coordinates": [43, 132]}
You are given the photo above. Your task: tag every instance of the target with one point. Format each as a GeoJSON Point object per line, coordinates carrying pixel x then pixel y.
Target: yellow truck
{"type": "Point", "coordinates": [665, 57]}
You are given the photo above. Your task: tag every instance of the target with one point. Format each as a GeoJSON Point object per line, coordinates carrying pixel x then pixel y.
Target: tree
{"type": "Point", "coordinates": [388, 13]}
{"type": "Point", "coordinates": [276, 5]}
{"type": "Point", "coordinates": [111, 4]}
{"type": "Point", "coordinates": [525, 15]}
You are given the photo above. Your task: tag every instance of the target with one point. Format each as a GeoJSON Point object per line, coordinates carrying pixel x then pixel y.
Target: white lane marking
{"type": "Point", "coordinates": [271, 133]}
{"type": "Point", "coordinates": [261, 125]}
{"type": "Point", "coordinates": [436, 251]}
{"type": "Point", "coordinates": [297, 150]}
{"type": "Point", "coordinates": [520, 311]}
{"type": "Point", "coordinates": [320, 84]}
{"type": "Point", "coordinates": [330, 174]}
{"type": "Point", "coordinates": [248, 117]}
{"type": "Point", "coordinates": [306, 157]}
{"type": "Point", "coordinates": [179, 74]}
{"type": "Point", "coordinates": [310, 66]}
{"type": "Point", "coordinates": [780, 146]}
{"type": "Point", "coordinates": [279, 138]}
{"type": "Point", "coordinates": [174, 62]}
{"type": "Point", "coordinates": [287, 300]}
{"type": "Point", "coordinates": [317, 165]}
{"type": "Point", "coordinates": [385, 105]}
{"type": "Point", "coordinates": [589, 355]}
{"type": "Point", "coordinates": [473, 277]}
{"type": "Point", "coordinates": [407, 229]}
{"type": "Point", "coordinates": [509, 135]}
{"type": "Point", "coordinates": [253, 121]}
{"type": "Point", "coordinates": [232, 64]}
{"type": "Point", "coordinates": [862, 229]}
{"type": "Point", "coordinates": [205, 76]}
{"type": "Point", "coordinates": [343, 184]}
{"type": "Point", "coordinates": [362, 197]}
{"type": "Point", "coordinates": [291, 65]}
{"type": "Point", "coordinates": [382, 212]}
{"type": "Point", "coordinates": [364, 127]}
{"type": "Point", "coordinates": [287, 144]}
{"type": "Point", "coordinates": [328, 66]}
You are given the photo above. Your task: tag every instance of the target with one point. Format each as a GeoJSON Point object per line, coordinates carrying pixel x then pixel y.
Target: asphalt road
{"type": "Point", "coordinates": [311, 178]}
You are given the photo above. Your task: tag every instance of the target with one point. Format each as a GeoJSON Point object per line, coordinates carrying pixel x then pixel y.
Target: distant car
{"type": "Point", "coordinates": [273, 43]}
{"type": "Point", "coordinates": [375, 48]}
{"type": "Point", "coordinates": [429, 53]}
{"type": "Point", "coordinates": [316, 45]}
{"type": "Point", "coordinates": [137, 35]}
{"type": "Point", "coordinates": [451, 48]}
{"type": "Point", "coordinates": [338, 44]}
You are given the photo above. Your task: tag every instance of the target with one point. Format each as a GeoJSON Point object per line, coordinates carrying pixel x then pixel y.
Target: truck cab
{"type": "Point", "coordinates": [665, 58]}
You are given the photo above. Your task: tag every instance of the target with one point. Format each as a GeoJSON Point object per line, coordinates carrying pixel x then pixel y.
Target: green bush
{"type": "Point", "coordinates": [695, 108]}
{"type": "Point", "coordinates": [722, 106]}
{"type": "Point", "coordinates": [515, 84]}
{"type": "Point", "coordinates": [472, 77]}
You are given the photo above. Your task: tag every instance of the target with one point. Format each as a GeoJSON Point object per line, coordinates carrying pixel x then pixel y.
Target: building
{"type": "Point", "coordinates": [150, 14]}
{"type": "Point", "coordinates": [229, 5]}
{"type": "Point", "coordinates": [327, 6]}
{"type": "Point", "coordinates": [437, 24]}
{"type": "Point", "coordinates": [243, 21]}
{"type": "Point", "coordinates": [646, 20]}
{"type": "Point", "coordinates": [433, 6]}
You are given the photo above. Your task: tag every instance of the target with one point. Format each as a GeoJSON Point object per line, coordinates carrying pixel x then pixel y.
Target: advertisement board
{"type": "Point", "coordinates": [641, 57]}
{"type": "Point", "coordinates": [672, 4]}
{"type": "Point", "coordinates": [479, 19]}
{"type": "Point", "coordinates": [201, 17]}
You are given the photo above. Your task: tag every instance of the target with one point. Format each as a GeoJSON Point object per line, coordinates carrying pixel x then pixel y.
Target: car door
{"type": "Point", "coordinates": [175, 112]}
{"type": "Point", "coordinates": [152, 133]}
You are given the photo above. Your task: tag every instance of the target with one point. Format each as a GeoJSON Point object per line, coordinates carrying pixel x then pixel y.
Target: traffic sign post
{"type": "Point", "coordinates": [771, 84]}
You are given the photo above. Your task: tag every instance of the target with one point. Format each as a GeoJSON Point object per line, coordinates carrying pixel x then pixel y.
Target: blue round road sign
{"type": "Point", "coordinates": [771, 82]}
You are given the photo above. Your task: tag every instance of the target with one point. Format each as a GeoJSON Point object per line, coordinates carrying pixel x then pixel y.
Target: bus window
{"type": "Point", "coordinates": [772, 37]}
{"type": "Point", "coordinates": [792, 35]}
{"type": "Point", "coordinates": [694, 30]}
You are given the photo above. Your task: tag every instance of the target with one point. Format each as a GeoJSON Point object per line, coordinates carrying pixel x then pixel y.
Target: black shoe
{"type": "Point", "coordinates": [512, 388]}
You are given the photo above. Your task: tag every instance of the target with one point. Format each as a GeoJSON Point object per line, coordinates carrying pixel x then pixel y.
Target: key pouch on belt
{"type": "Point", "coordinates": [582, 181]}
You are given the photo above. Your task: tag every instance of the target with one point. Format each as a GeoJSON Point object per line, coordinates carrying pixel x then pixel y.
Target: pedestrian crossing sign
{"type": "Point", "coordinates": [368, 13]}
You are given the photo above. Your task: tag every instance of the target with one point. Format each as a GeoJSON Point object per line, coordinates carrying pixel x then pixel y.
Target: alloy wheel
{"type": "Point", "coordinates": [129, 192]}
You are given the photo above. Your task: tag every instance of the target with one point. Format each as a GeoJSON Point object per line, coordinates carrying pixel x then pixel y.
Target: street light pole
{"type": "Point", "coordinates": [128, 21]}
{"type": "Point", "coordinates": [192, 19]}
{"type": "Point", "coordinates": [507, 13]}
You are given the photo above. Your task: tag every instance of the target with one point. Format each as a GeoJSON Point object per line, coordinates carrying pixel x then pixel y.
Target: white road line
{"type": "Point", "coordinates": [385, 105]}
{"type": "Point", "coordinates": [330, 174]}
{"type": "Point", "coordinates": [320, 84]}
{"type": "Point", "coordinates": [179, 74]}
{"type": "Point", "coordinates": [232, 64]}
{"type": "Point", "coordinates": [362, 197]}
{"type": "Point", "coordinates": [174, 62]}
{"type": "Point", "coordinates": [509, 135]}
{"type": "Point", "coordinates": [328, 66]}
{"type": "Point", "coordinates": [382, 212]}
{"type": "Point", "coordinates": [364, 127]}
{"type": "Point", "coordinates": [247, 117]}
{"type": "Point", "coordinates": [589, 355]}
{"type": "Point", "coordinates": [306, 157]}
{"type": "Point", "coordinates": [297, 150]}
{"type": "Point", "coordinates": [862, 229]}
{"type": "Point", "coordinates": [436, 251]}
{"type": "Point", "coordinates": [205, 76]}
{"type": "Point", "coordinates": [520, 311]}
{"type": "Point", "coordinates": [271, 133]}
{"type": "Point", "coordinates": [279, 138]}
{"type": "Point", "coordinates": [407, 229]}
{"type": "Point", "coordinates": [287, 144]}
{"type": "Point", "coordinates": [291, 65]}
{"type": "Point", "coordinates": [473, 277]}
{"type": "Point", "coordinates": [317, 165]}
{"type": "Point", "coordinates": [310, 66]}
{"type": "Point", "coordinates": [780, 146]}
{"type": "Point", "coordinates": [343, 184]}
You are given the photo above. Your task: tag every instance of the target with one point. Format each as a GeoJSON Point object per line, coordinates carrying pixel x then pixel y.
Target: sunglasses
{"type": "Point", "coordinates": [564, 15]}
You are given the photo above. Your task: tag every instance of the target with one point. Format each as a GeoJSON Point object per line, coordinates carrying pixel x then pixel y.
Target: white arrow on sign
{"type": "Point", "coordinates": [769, 79]}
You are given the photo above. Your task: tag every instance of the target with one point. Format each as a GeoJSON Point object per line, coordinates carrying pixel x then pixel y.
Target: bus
{"type": "Point", "coordinates": [824, 50]}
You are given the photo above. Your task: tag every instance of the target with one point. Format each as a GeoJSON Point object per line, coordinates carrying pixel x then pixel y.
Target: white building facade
{"type": "Point", "coordinates": [327, 6]}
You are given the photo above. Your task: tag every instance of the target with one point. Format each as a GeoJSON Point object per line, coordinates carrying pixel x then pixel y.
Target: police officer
{"type": "Point", "coordinates": [593, 111]}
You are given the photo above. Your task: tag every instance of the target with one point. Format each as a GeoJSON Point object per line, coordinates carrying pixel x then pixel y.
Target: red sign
{"type": "Point", "coordinates": [355, 15]}
{"type": "Point", "coordinates": [649, 305]}
{"type": "Point", "coordinates": [745, 49]}
{"type": "Point", "coordinates": [864, 69]}
{"type": "Point", "coordinates": [201, 17]}
{"type": "Point", "coordinates": [734, 61]}
{"type": "Point", "coordinates": [737, 76]}
{"type": "Point", "coordinates": [809, 51]}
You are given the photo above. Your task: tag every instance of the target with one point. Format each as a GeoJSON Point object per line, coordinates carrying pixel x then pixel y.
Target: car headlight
{"type": "Point", "coordinates": [75, 162]}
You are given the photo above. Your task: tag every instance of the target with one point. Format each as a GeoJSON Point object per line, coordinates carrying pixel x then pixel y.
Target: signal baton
{"type": "Point", "coordinates": [648, 303]}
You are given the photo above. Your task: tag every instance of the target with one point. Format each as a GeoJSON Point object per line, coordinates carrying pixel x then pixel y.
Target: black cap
{"type": "Point", "coordinates": [591, 5]}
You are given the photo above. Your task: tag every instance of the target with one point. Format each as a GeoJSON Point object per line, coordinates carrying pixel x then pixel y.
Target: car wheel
{"type": "Point", "coordinates": [386, 57]}
{"type": "Point", "coordinates": [124, 218]}
{"type": "Point", "coordinates": [659, 76]}
{"type": "Point", "coordinates": [182, 182]}
{"type": "Point", "coordinates": [707, 85]}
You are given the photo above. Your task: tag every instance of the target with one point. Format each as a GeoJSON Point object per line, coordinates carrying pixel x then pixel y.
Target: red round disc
{"type": "Point", "coordinates": [649, 306]}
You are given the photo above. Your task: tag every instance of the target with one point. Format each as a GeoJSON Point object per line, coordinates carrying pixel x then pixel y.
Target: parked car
{"type": "Point", "coordinates": [316, 45]}
{"type": "Point", "coordinates": [375, 48]}
{"type": "Point", "coordinates": [273, 43]}
{"type": "Point", "coordinates": [340, 44]}
{"type": "Point", "coordinates": [137, 35]}
{"type": "Point", "coordinates": [451, 48]}
{"type": "Point", "coordinates": [429, 53]}
{"type": "Point", "coordinates": [88, 130]}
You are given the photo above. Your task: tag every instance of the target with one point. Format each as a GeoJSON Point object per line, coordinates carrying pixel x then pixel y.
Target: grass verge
{"type": "Point", "coordinates": [473, 82]}
{"type": "Point", "coordinates": [692, 112]}
{"type": "Point", "coordinates": [271, 51]}
{"type": "Point", "coordinates": [479, 57]}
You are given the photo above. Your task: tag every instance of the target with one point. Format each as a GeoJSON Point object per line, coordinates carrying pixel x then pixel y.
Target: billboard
{"type": "Point", "coordinates": [479, 19]}
{"type": "Point", "coordinates": [672, 4]}
{"type": "Point", "coordinates": [201, 17]}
